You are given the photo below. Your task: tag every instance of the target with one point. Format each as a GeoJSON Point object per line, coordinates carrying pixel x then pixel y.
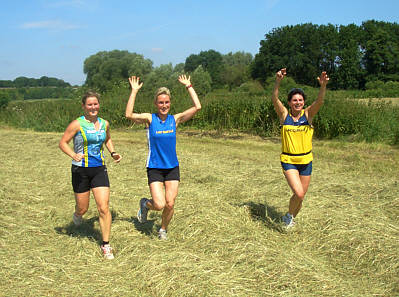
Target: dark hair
{"type": "Point", "coordinates": [296, 91]}
{"type": "Point", "coordinates": [90, 94]}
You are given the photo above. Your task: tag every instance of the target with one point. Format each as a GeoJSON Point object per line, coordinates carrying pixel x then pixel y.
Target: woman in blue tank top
{"type": "Point", "coordinates": [89, 133]}
{"type": "Point", "coordinates": [162, 163]}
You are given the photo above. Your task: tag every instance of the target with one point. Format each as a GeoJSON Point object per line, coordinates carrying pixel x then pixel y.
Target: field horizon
{"type": "Point", "coordinates": [225, 238]}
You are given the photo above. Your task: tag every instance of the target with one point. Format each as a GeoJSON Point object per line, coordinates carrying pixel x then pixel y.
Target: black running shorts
{"type": "Point", "coordinates": [162, 175]}
{"type": "Point", "coordinates": [86, 178]}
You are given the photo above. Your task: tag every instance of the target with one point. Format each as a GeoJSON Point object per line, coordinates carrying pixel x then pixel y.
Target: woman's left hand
{"type": "Point", "coordinates": [323, 79]}
{"type": "Point", "coordinates": [184, 80]}
{"type": "Point", "coordinates": [117, 158]}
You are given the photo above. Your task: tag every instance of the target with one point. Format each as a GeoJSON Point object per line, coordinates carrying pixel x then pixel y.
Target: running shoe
{"type": "Point", "coordinates": [162, 234]}
{"type": "Point", "coordinates": [77, 220]}
{"type": "Point", "coordinates": [107, 251]}
{"type": "Point", "coordinates": [143, 211]}
{"type": "Point", "coordinates": [288, 220]}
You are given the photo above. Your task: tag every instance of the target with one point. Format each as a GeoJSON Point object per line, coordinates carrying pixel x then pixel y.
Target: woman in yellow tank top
{"type": "Point", "coordinates": [296, 138]}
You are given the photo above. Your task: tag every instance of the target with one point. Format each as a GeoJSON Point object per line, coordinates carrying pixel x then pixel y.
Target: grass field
{"type": "Point", "coordinates": [225, 239]}
{"type": "Point", "coordinates": [393, 101]}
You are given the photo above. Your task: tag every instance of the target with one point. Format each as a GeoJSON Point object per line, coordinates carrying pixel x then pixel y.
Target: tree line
{"type": "Point", "coordinates": [23, 82]}
{"type": "Point", "coordinates": [355, 57]}
{"type": "Point", "coordinates": [352, 55]}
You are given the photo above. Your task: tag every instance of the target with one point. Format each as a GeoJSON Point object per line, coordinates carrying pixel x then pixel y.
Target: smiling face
{"type": "Point", "coordinates": [296, 103]}
{"type": "Point", "coordinates": [163, 104]}
{"type": "Point", "coordinates": [91, 106]}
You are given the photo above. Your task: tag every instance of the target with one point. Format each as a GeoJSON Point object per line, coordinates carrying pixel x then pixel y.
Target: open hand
{"type": "Point", "coordinates": [323, 79]}
{"type": "Point", "coordinates": [184, 80]}
{"type": "Point", "coordinates": [135, 83]}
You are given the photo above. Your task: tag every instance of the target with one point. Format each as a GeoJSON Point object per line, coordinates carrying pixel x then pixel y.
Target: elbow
{"type": "Point", "coordinates": [61, 145]}
{"type": "Point", "coordinates": [198, 107]}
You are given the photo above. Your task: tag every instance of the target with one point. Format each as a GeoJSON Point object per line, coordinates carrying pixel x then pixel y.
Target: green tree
{"type": "Point", "coordinates": [350, 73]}
{"type": "Point", "coordinates": [21, 82]}
{"type": "Point", "coordinates": [236, 70]}
{"type": "Point", "coordinates": [211, 61]}
{"type": "Point", "coordinates": [381, 47]}
{"type": "Point", "coordinates": [305, 50]}
{"type": "Point", "coordinates": [202, 81]}
{"type": "Point", "coordinates": [105, 69]}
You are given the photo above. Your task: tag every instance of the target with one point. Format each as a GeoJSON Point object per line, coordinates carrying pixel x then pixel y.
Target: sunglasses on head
{"type": "Point", "coordinates": [296, 90]}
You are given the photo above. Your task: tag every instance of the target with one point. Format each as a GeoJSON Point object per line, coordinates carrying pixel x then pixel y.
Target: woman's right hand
{"type": "Point", "coordinates": [281, 74]}
{"type": "Point", "coordinates": [135, 83]}
{"type": "Point", "coordinates": [78, 157]}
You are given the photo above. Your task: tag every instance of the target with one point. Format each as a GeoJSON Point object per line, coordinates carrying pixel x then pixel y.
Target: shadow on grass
{"type": "Point", "coordinates": [144, 228]}
{"type": "Point", "coordinates": [86, 229]}
{"type": "Point", "coordinates": [265, 213]}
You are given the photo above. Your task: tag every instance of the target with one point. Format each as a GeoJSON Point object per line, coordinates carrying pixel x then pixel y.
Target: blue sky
{"type": "Point", "coordinates": [53, 38]}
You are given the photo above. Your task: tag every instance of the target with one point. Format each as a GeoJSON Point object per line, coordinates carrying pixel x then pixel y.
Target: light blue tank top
{"type": "Point", "coordinates": [89, 142]}
{"type": "Point", "coordinates": [161, 138]}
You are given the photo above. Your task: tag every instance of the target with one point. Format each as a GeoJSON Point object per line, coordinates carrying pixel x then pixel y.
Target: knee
{"type": "Point", "coordinates": [158, 205]}
{"type": "Point", "coordinates": [103, 209]}
{"type": "Point", "coordinates": [170, 205]}
{"type": "Point", "coordinates": [80, 211]}
{"type": "Point", "coordinates": [300, 195]}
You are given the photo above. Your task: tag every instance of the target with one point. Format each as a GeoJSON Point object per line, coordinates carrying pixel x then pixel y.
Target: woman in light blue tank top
{"type": "Point", "coordinates": [162, 163]}
{"type": "Point", "coordinates": [90, 133]}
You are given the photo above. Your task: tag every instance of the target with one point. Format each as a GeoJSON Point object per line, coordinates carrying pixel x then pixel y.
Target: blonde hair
{"type": "Point", "coordinates": [161, 91]}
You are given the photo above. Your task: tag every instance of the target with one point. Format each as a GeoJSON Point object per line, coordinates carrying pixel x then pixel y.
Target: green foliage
{"type": "Point", "coordinates": [105, 69]}
{"type": "Point", "coordinates": [251, 87]}
{"type": "Point", "coordinates": [4, 102]}
{"type": "Point", "coordinates": [352, 55]}
{"type": "Point", "coordinates": [247, 109]}
{"type": "Point", "coordinates": [381, 45]}
{"type": "Point", "coordinates": [374, 84]}
{"type": "Point", "coordinates": [202, 81]}
{"type": "Point", "coordinates": [23, 81]}
{"type": "Point", "coordinates": [37, 93]}
{"type": "Point", "coordinates": [211, 61]}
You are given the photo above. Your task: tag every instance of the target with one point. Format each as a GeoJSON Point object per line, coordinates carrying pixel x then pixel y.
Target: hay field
{"type": "Point", "coordinates": [225, 239]}
{"type": "Point", "coordinates": [393, 101]}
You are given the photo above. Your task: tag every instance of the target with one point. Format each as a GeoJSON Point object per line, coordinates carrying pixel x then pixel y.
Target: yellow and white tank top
{"type": "Point", "coordinates": [296, 140]}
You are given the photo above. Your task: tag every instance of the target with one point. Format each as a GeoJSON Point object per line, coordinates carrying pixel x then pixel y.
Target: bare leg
{"type": "Point", "coordinates": [82, 203]}
{"type": "Point", "coordinates": [171, 190]}
{"type": "Point", "coordinates": [158, 196]}
{"type": "Point", "coordinates": [299, 185]}
{"type": "Point", "coordinates": [101, 195]}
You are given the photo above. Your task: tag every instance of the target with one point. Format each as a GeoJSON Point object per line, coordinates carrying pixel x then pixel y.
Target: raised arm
{"type": "Point", "coordinates": [136, 117]}
{"type": "Point", "coordinates": [189, 113]}
{"type": "Point", "coordinates": [280, 109]}
{"type": "Point", "coordinates": [316, 105]}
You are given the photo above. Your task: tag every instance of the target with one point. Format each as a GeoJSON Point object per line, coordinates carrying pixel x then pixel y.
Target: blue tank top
{"type": "Point", "coordinates": [161, 138]}
{"type": "Point", "coordinates": [89, 142]}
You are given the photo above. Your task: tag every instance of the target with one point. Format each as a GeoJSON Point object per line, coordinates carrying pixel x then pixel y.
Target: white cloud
{"type": "Point", "coordinates": [157, 50]}
{"type": "Point", "coordinates": [51, 24]}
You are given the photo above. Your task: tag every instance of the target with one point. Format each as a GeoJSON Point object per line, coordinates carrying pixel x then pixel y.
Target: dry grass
{"type": "Point", "coordinates": [394, 101]}
{"type": "Point", "coordinates": [225, 239]}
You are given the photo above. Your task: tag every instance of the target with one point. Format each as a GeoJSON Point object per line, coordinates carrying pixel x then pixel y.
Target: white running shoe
{"type": "Point", "coordinates": [107, 251]}
{"type": "Point", "coordinates": [77, 220]}
{"type": "Point", "coordinates": [288, 221]}
{"type": "Point", "coordinates": [162, 234]}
